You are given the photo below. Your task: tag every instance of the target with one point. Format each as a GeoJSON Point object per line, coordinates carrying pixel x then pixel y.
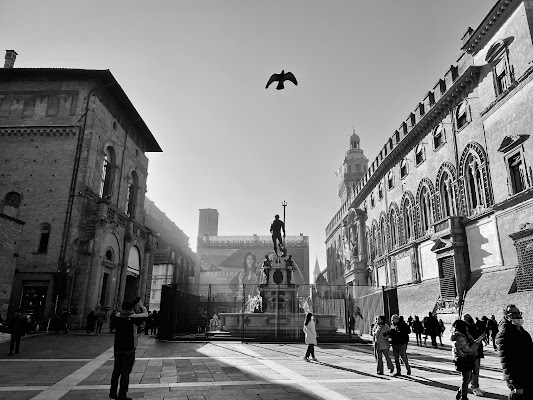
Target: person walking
{"type": "Point", "coordinates": [476, 333]}
{"type": "Point", "coordinates": [155, 323]}
{"type": "Point", "coordinates": [441, 330]}
{"type": "Point", "coordinates": [516, 352]}
{"type": "Point", "coordinates": [380, 339]}
{"type": "Point", "coordinates": [17, 326]}
{"type": "Point", "coordinates": [91, 321]}
{"type": "Point", "coordinates": [112, 319]}
{"type": "Point", "coordinates": [431, 328]}
{"type": "Point", "coordinates": [399, 337]}
{"type": "Point", "coordinates": [492, 326]}
{"type": "Point", "coordinates": [148, 323]}
{"type": "Point", "coordinates": [101, 317]}
{"type": "Point", "coordinates": [310, 336]}
{"type": "Point", "coordinates": [351, 323]}
{"type": "Point", "coordinates": [418, 328]}
{"type": "Point", "coordinates": [125, 343]}
{"type": "Point", "coordinates": [463, 351]}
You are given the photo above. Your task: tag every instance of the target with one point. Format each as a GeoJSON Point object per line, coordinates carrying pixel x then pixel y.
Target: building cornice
{"type": "Point", "coordinates": [62, 130]}
{"type": "Point", "coordinates": [496, 16]}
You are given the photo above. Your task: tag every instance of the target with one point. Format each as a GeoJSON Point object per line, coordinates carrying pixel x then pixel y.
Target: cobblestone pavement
{"type": "Point", "coordinates": [75, 366]}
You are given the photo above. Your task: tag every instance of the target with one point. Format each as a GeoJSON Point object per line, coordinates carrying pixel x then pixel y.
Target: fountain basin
{"type": "Point", "coordinates": [275, 324]}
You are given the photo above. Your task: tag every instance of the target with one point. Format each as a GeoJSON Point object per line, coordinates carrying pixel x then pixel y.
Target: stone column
{"type": "Point", "coordinates": [95, 273]}
{"type": "Point", "coordinates": [128, 236]}
{"type": "Point", "coordinates": [141, 289]}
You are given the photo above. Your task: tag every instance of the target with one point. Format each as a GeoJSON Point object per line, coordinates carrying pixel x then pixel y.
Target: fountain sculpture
{"type": "Point", "coordinates": [277, 306]}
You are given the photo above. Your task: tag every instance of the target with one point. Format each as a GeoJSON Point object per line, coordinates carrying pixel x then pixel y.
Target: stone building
{"type": "Point", "coordinates": [172, 260]}
{"type": "Point", "coordinates": [448, 200]}
{"type": "Point", "coordinates": [73, 176]}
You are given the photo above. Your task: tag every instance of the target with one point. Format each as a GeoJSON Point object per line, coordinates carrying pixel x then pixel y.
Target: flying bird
{"type": "Point", "coordinates": [284, 76]}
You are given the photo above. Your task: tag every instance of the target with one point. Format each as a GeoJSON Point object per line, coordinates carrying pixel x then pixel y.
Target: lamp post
{"type": "Point", "coordinates": [284, 204]}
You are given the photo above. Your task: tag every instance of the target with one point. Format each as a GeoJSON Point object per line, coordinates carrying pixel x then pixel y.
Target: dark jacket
{"type": "Point", "coordinates": [125, 333]}
{"type": "Point", "coordinates": [18, 324]}
{"type": "Point", "coordinates": [399, 333]}
{"type": "Point", "coordinates": [516, 354]}
{"type": "Point", "coordinates": [417, 326]}
{"type": "Point", "coordinates": [431, 326]}
{"type": "Point", "coordinates": [462, 345]}
{"type": "Point", "coordinates": [476, 331]}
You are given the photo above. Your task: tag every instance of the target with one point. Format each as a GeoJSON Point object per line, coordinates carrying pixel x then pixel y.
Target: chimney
{"type": "Point", "coordinates": [11, 56]}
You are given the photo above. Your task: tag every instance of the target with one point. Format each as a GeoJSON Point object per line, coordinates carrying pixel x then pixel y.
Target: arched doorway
{"type": "Point", "coordinates": [134, 269]}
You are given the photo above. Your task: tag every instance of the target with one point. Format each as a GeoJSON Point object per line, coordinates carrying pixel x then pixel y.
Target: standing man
{"type": "Point", "coordinates": [516, 352]}
{"type": "Point", "coordinates": [18, 325]}
{"type": "Point", "coordinates": [101, 317]}
{"type": "Point", "coordinates": [124, 349]}
{"type": "Point", "coordinates": [351, 323]}
{"type": "Point", "coordinates": [475, 332]}
{"type": "Point", "coordinates": [275, 229]}
{"type": "Point", "coordinates": [492, 326]}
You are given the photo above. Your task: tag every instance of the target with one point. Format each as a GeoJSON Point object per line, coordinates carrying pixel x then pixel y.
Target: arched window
{"type": "Point", "coordinates": [390, 180]}
{"type": "Point", "coordinates": [375, 241]}
{"type": "Point", "coordinates": [462, 115]}
{"type": "Point", "coordinates": [447, 196]}
{"type": "Point", "coordinates": [372, 202]}
{"type": "Point", "coordinates": [133, 186]}
{"type": "Point", "coordinates": [108, 173]}
{"type": "Point", "coordinates": [11, 205]}
{"type": "Point", "coordinates": [382, 234]}
{"type": "Point", "coordinates": [404, 170]}
{"type": "Point", "coordinates": [349, 168]}
{"type": "Point", "coordinates": [44, 238]}
{"type": "Point", "coordinates": [393, 228]}
{"type": "Point", "coordinates": [425, 210]}
{"type": "Point", "coordinates": [438, 137]}
{"type": "Point", "coordinates": [407, 212]}
{"type": "Point", "coordinates": [420, 154]}
{"type": "Point", "coordinates": [475, 194]}
{"type": "Point", "coordinates": [380, 190]}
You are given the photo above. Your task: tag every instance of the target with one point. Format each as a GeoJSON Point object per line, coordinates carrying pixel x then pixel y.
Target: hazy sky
{"type": "Point", "coordinates": [196, 72]}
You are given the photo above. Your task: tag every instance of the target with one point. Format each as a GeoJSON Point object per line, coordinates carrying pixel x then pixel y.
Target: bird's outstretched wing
{"type": "Point", "coordinates": [273, 78]}
{"type": "Point", "coordinates": [289, 76]}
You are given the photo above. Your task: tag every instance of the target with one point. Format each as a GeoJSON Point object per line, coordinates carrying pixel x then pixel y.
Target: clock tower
{"type": "Point", "coordinates": [353, 168]}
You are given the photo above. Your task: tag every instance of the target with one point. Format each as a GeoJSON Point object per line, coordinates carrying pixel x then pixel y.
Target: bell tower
{"type": "Point", "coordinates": [353, 168]}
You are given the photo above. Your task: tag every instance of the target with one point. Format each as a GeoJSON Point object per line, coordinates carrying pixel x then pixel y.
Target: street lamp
{"type": "Point", "coordinates": [284, 204]}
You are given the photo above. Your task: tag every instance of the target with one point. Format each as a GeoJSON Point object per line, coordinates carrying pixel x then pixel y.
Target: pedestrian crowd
{"type": "Point", "coordinates": [468, 336]}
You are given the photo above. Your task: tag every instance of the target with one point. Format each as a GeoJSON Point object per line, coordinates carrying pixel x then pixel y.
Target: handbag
{"type": "Point", "coordinates": [464, 363]}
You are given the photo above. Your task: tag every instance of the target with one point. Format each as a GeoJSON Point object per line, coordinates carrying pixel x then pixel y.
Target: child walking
{"type": "Point", "coordinates": [310, 336]}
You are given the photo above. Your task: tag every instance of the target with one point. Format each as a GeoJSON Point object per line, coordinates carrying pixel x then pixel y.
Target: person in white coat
{"type": "Point", "coordinates": [310, 336]}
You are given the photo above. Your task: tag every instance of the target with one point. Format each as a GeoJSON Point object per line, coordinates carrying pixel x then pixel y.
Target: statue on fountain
{"type": "Point", "coordinates": [267, 264]}
{"type": "Point", "coordinates": [275, 229]}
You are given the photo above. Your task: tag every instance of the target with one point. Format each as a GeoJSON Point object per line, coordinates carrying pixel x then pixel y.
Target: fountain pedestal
{"type": "Point", "coordinates": [281, 316]}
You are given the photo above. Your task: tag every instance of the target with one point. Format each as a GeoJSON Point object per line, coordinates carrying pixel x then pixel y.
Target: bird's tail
{"type": "Point", "coordinates": [280, 85]}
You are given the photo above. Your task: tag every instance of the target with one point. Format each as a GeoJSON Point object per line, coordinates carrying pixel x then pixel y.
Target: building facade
{"type": "Point", "coordinates": [171, 260]}
{"type": "Point", "coordinates": [446, 208]}
{"type": "Point", "coordinates": [74, 169]}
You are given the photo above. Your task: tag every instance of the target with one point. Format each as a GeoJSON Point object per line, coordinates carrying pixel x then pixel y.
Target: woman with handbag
{"type": "Point", "coordinates": [463, 350]}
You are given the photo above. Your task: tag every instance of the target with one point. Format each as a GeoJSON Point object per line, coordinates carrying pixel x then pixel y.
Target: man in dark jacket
{"type": "Point", "coordinates": [18, 326]}
{"type": "Point", "coordinates": [475, 333]}
{"type": "Point", "coordinates": [125, 345]}
{"type": "Point", "coordinates": [431, 328]}
{"type": "Point", "coordinates": [399, 337]}
{"type": "Point", "coordinates": [516, 352]}
{"type": "Point", "coordinates": [492, 326]}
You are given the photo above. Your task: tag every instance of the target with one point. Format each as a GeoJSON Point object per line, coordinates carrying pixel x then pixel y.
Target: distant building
{"type": "Point", "coordinates": [448, 201]}
{"type": "Point", "coordinates": [316, 271]}
{"type": "Point", "coordinates": [172, 260]}
{"type": "Point", "coordinates": [74, 168]}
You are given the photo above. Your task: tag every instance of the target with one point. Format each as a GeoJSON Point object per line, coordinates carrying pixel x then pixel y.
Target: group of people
{"type": "Point", "coordinates": [468, 336]}
{"type": "Point", "coordinates": [513, 343]}
{"type": "Point", "coordinates": [429, 326]}
{"type": "Point", "coordinates": [148, 325]}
